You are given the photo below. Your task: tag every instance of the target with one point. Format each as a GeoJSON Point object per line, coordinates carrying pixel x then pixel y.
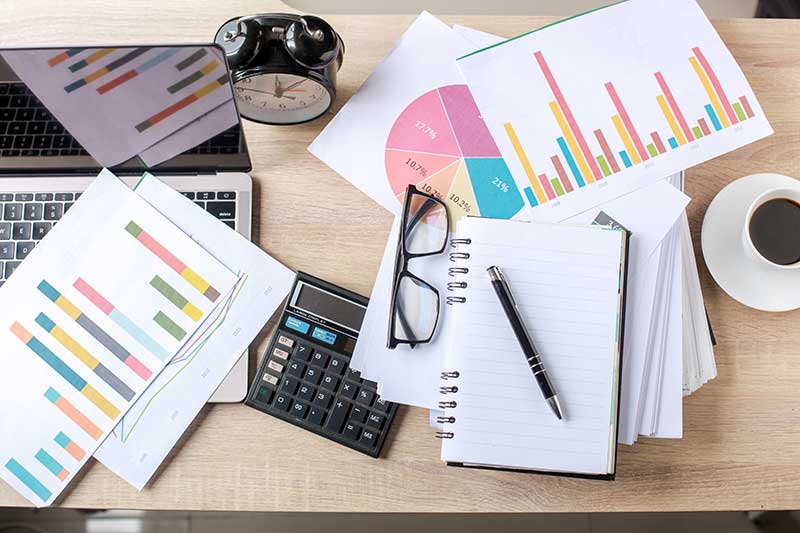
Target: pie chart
{"type": "Point", "coordinates": [440, 144]}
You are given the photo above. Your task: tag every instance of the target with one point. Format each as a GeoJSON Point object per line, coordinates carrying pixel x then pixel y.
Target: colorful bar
{"type": "Point", "coordinates": [717, 107]}
{"type": "Point", "coordinates": [573, 146]}
{"type": "Point", "coordinates": [62, 369]}
{"type": "Point", "coordinates": [144, 67]}
{"type": "Point", "coordinates": [703, 126]}
{"type": "Point", "coordinates": [676, 131]}
{"type": "Point", "coordinates": [69, 445]}
{"type": "Point", "coordinates": [51, 464]}
{"type": "Point", "coordinates": [92, 58]}
{"type": "Point", "coordinates": [99, 73]}
{"type": "Point", "coordinates": [28, 479]}
{"type": "Point", "coordinates": [94, 330]}
{"type": "Point", "coordinates": [192, 59]}
{"type": "Point", "coordinates": [548, 188]}
{"type": "Point", "coordinates": [526, 164]}
{"type": "Point", "coordinates": [169, 326]}
{"type": "Point", "coordinates": [657, 141]}
{"type": "Point", "coordinates": [739, 111]}
{"type": "Point", "coordinates": [73, 414]}
{"type": "Point", "coordinates": [571, 162]}
{"type": "Point", "coordinates": [716, 84]}
{"type": "Point", "coordinates": [674, 106]}
{"type": "Point", "coordinates": [562, 175]}
{"type": "Point", "coordinates": [85, 357]}
{"type": "Point", "coordinates": [697, 133]}
{"type": "Point", "coordinates": [63, 56]}
{"type": "Point", "coordinates": [625, 159]}
{"type": "Point", "coordinates": [746, 105]}
{"type": "Point", "coordinates": [531, 197]}
{"type": "Point", "coordinates": [626, 140]}
{"type": "Point", "coordinates": [626, 121]}
{"type": "Point", "coordinates": [562, 103]}
{"type": "Point", "coordinates": [603, 165]}
{"type": "Point", "coordinates": [193, 77]}
{"type": "Point", "coordinates": [184, 102]}
{"type": "Point", "coordinates": [557, 187]}
{"type": "Point", "coordinates": [609, 155]}
{"type": "Point", "coordinates": [173, 262]}
{"type": "Point", "coordinates": [713, 116]}
{"type": "Point", "coordinates": [120, 319]}
{"type": "Point", "coordinates": [651, 149]}
{"type": "Point", "coordinates": [673, 143]}
{"type": "Point", "coordinates": [176, 298]}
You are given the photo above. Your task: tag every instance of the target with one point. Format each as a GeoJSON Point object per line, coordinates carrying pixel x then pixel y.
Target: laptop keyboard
{"type": "Point", "coordinates": [28, 216]}
{"type": "Point", "coordinates": [27, 129]}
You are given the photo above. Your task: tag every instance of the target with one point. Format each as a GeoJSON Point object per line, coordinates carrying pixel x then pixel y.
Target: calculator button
{"type": "Point", "coordinates": [351, 431]}
{"type": "Point", "coordinates": [349, 390]}
{"type": "Point", "coordinates": [323, 399]}
{"type": "Point", "coordinates": [370, 438]}
{"type": "Point", "coordinates": [296, 369]}
{"type": "Point", "coordinates": [366, 396]}
{"type": "Point", "coordinates": [337, 365]}
{"type": "Point", "coordinates": [319, 359]}
{"type": "Point", "coordinates": [283, 401]}
{"type": "Point", "coordinates": [299, 409]}
{"type": "Point", "coordinates": [297, 324]}
{"type": "Point", "coordinates": [359, 414]}
{"type": "Point", "coordinates": [275, 366]}
{"type": "Point", "coordinates": [370, 384]}
{"type": "Point", "coordinates": [281, 354]}
{"type": "Point", "coordinates": [316, 416]}
{"type": "Point", "coordinates": [354, 375]}
{"type": "Point", "coordinates": [338, 416]}
{"type": "Point", "coordinates": [269, 378]}
{"type": "Point", "coordinates": [264, 394]}
{"type": "Point", "coordinates": [306, 393]}
{"type": "Point", "coordinates": [382, 405]}
{"type": "Point", "coordinates": [330, 382]}
{"type": "Point", "coordinates": [289, 385]}
{"type": "Point", "coordinates": [375, 420]}
{"type": "Point", "coordinates": [303, 352]}
{"type": "Point", "coordinates": [313, 375]}
{"type": "Point", "coordinates": [286, 341]}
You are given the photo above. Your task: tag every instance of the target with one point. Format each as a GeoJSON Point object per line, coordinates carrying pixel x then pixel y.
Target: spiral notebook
{"type": "Point", "coordinates": [569, 282]}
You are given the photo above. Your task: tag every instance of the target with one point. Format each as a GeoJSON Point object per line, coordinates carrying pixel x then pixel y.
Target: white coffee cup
{"type": "Point", "coordinates": [771, 194]}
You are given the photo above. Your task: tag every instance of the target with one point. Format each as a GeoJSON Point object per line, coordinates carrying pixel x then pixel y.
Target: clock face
{"type": "Point", "coordinates": [281, 98]}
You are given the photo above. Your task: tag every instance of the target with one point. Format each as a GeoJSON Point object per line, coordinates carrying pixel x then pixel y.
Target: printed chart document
{"type": "Point", "coordinates": [151, 428]}
{"type": "Point", "coordinates": [598, 105]}
{"type": "Point", "coordinates": [88, 321]}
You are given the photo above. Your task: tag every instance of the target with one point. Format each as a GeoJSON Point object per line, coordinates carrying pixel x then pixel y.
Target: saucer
{"type": "Point", "coordinates": [743, 277]}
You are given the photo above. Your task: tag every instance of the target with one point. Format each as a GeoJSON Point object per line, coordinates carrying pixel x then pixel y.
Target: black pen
{"type": "Point", "coordinates": [528, 348]}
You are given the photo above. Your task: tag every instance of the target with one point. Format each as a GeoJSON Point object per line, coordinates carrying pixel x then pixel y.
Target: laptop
{"type": "Point", "coordinates": [195, 144]}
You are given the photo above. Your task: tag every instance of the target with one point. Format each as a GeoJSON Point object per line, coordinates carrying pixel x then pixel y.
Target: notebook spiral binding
{"type": "Point", "coordinates": [444, 435]}
{"type": "Point", "coordinates": [455, 271]}
{"type": "Point", "coordinates": [449, 375]}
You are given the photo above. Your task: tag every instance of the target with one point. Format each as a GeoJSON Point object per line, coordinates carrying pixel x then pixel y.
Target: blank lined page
{"type": "Point", "coordinates": [566, 281]}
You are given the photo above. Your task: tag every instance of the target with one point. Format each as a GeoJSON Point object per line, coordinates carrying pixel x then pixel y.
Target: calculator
{"type": "Point", "coordinates": [305, 376]}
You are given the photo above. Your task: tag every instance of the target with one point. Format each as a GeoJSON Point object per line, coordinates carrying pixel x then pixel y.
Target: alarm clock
{"type": "Point", "coordinates": [283, 66]}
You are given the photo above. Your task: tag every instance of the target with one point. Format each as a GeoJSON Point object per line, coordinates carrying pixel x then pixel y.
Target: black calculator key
{"type": "Point", "coordinates": [264, 394]}
{"type": "Point", "coordinates": [369, 437]}
{"type": "Point", "coordinates": [353, 375]}
{"type": "Point", "coordinates": [289, 385]}
{"type": "Point", "coordinates": [337, 365]}
{"type": "Point", "coordinates": [303, 351]}
{"type": "Point", "coordinates": [297, 369]}
{"type": "Point", "coordinates": [283, 401]}
{"type": "Point", "coordinates": [299, 410]}
{"type": "Point", "coordinates": [306, 393]}
{"type": "Point", "coordinates": [330, 382]}
{"type": "Point", "coordinates": [351, 431]}
{"type": "Point", "coordinates": [316, 416]}
{"type": "Point", "coordinates": [375, 420]}
{"type": "Point", "coordinates": [349, 390]}
{"type": "Point", "coordinates": [319, 359]}
{"type": "Point", "coordinates": [322, 399]}
{"type": "Point", "coordinates": [366, 396]}
{"type": "Point", "coordinates": [359, 414]}
{"type": "Point", "coordinates": [338, 416]}
{"type": "Point", "coordinates": [381, 405]}
{"type": "Point", "coordinates": [314, 375]}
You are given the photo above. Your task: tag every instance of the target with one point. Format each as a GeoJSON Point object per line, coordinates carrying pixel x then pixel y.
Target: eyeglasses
{"type": "Point", "coordinates": [415, 303]}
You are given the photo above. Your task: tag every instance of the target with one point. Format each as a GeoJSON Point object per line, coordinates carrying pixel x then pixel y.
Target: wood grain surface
{"type": "Point", "coordinates": [740, 449]}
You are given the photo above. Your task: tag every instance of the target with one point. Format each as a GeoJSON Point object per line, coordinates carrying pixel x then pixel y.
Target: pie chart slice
{"type": "Point", "coordinates": [440, 144]}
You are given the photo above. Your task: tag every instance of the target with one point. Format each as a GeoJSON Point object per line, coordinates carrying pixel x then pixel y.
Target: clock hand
{"type": "Point", "coordinates": [292, 86]}
{"type": "Point", "coordinates": [278, 88]}
{"type": "Point", "coordinates": [267, 92]}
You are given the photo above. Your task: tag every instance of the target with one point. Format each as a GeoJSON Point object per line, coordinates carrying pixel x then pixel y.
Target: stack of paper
{"type": "Point", "coordinates": [592, 119]}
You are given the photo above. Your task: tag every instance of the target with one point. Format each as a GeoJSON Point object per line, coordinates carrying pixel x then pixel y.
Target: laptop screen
{"type": "Point", "coordinates": [168, 109]}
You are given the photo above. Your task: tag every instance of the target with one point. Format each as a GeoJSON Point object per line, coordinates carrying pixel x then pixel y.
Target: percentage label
{"type": "Point", "coordinates": [460, 203]}
{"type": "Point", "coordinates": [419, 169]}
{"type": "Point", "coordinates": [500, 184]}
{"type": "Point", "coordinates": [427, 130]}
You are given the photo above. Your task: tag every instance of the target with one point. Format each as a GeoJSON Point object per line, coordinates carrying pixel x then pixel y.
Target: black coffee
{"type": "Point", "coordinates": [775, 231]}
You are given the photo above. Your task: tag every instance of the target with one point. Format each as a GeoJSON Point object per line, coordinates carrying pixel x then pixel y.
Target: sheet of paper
{"type": "Point", "coordinates": [90, 319]}
{"type": "Point", "coordinates": [138, 96]}
{"type": "Point", "coordinates": [423, 129]}
{"type": "Point", "coordinates": [144, 436]}
{"type": "Point", "coordinates": [479, 39]}
{"type": "Point", "coordinates": [601, 104]}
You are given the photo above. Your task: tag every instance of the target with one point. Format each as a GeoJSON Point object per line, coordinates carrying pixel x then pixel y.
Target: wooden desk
{"type": "Point", "coordinates": [740, 449]}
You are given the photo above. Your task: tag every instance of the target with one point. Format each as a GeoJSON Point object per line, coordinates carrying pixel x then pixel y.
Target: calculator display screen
{"type": "Point", "coordinates": [329, 306]}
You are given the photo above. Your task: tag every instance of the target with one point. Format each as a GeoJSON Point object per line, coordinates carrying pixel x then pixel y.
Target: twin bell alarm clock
{"type": "Point", "coordinates": [283, 66]}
